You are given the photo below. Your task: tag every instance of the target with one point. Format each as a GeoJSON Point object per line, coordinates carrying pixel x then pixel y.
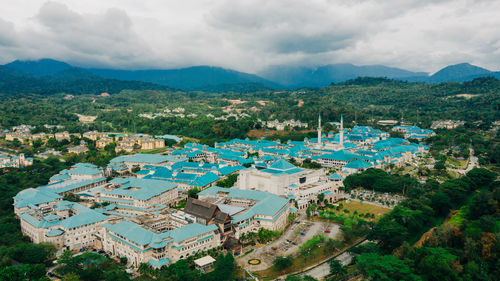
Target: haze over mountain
{"type": "Point", "coordinates": [190, 78]}
{"type": "Point", "coordinates": [300, 76]}
{"type": "Point", "coordinates": [52, 74]}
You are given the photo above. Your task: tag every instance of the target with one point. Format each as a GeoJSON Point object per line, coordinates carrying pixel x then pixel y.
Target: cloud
{"type": "Point", "coordinates": [249, 35]}
{"type": "Point", "coordinates": [8, 37]}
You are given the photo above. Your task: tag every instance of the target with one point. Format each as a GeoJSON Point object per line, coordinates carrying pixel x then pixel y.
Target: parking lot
{"type": "Point", "coordinates": [288, 244]}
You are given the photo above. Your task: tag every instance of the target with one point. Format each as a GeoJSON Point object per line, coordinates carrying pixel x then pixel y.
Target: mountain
{"type": "Point", "coordinates": [52, 75]}
{"type": "Point", "coordinates": [40, 67]}
{"type": "Point", "coordinates": [72, 81]}
{"type": "Point", "coordinates": [459, 73]}
{"type": "Point", "coordinates": [190, 78]}
{"type": "Point", "coordinates": [299, 76]}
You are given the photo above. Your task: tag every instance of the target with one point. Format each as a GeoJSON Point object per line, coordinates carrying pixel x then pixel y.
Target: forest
{"type": "Point", "coordinates": [420, 239]}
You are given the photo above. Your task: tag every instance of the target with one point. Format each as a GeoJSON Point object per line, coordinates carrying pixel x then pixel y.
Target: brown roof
{"type": "Point", "coordinates": [231, 244]}
{"type": "Point", "coordinates": [201, 209]}
{"type": "Point", "coordinates": [221, 217]}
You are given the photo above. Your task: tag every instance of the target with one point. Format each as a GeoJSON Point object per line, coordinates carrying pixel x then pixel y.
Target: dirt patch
{"type": "Point", "coordinates": [301, 103]}
{"type": "Point", "coordinates": [261, 102]}
{"type": "Point", "coordinates": [234, 102]}
{"type": "Point", "coordinates": [465, 96]}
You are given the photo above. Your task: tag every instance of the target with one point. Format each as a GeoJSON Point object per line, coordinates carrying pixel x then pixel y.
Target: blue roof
{"type": "Point", "coordinates": [59, 177]}
{"type": "Point", "coordinates": [69, 185]}
{"type": "Point", "coordinates": [88, 217]}
{"type": "Point", "coordinates": [141, 189]}
{"type": "Point", "coordinates": [146, 158]}
{"type": "Point", "coordinates": [335, 176]}
{"type": "Point", "coordinates": [282, 165]}
{"type": "Point", "coordinates": [358, 164]}
{"type": "Point", "coordinates": [268, 203]}
{"type": "Point", "coordinates": [143, 237]}
{"type": "Point", "coordinates": [131, 231]}
{"type": "Point", "coordinates": [340, 155]}
{"type": "Point", "coordinates": [32, 196]}
{"type": "Point", "coordinates": [230, 169]}
{"type": "Point", "coordinates": [54, 232]}
{"type": "Point", "coordinates": [82, 170]}
{"type": "Point", "coordinates": [191, 230]}
{"type": "Point", "coordinates": [206, 179]}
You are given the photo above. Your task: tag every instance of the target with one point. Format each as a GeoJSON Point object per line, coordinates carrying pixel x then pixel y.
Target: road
{"type": "Point", "coordinates": [472, 163]}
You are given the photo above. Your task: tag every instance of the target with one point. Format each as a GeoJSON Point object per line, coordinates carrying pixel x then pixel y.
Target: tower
{"type": "Point", "coordinates": [319, 129]}
{"type": "Point", "coordinates": [341, 142]}
{"type": "Point", "coordinates": [21, 160]}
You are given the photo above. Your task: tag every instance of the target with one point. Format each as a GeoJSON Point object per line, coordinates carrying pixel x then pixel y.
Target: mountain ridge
{"type": "Point", "coordinates": [218, 79]}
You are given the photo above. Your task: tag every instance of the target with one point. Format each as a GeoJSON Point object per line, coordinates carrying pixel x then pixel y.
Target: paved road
{"type": "Point", "coordinates": [473, 162]}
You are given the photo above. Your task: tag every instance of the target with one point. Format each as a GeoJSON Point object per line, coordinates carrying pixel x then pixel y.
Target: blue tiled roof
{"type": "Point", "coordinates": [142, 189]}
{"type": "Point", "coordinates": [358, 164]}
{"type": "Point", "coordinates": [335, 176]}
{"type": "Point", "coordinates": [206, 179]}
{"type": "Point", "coordinates": [69, 185]}
{"type": "Point", "coordinates": [269, 204]}
{"type": "Point", "coordinates": [54, 232]}
{"type": "Point", "coordinates": [88, 217]}
{"type": "Point", "coordinates": [32, 196]}
{"type": "Point", "coordinates": [146, 158]}
{"type": "Point", "coordinates": [341, 155]}
{"type": "Point", "coordinates": [230, 169]}
{"type": "Point", "coordinates": [282, 165]}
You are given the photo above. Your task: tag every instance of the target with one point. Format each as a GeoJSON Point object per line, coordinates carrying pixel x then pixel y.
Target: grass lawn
{"type": "Point", "coordinates": [261, 133]}
{"type": "Point", "coordinates": [346, 212]}
{"type": "Point", "coordinates": [364, 208]}
{"type": "Point", "coordinates": [153, 151]}
{"type": "Point", "coordinates": [458, 164]}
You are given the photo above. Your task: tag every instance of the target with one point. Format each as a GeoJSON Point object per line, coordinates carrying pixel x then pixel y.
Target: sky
{"type": "Point", "coordinates": [250, 35]}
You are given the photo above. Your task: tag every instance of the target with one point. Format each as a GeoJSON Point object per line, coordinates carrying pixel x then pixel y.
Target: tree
{"type": "Point", "coordinates": [336, 268]}
{"type": "Point", "coordinates": [229, 181]}
{"type": "Point", "coordinates": [389, 232]}
{"type": "Point", "coordinates": [72, 197]}
{"type": "Point", "coordinates": [481, 177]}
{"type": "Point", "coordinates": [16, 143]}
{"type": "Point", "coordinates": [384, 268]}
{"type": "Point", "coordinates": [439, 165]}
{"type": "Point", "coordinates": [441, 203]}
{"type": "Point", "coordinates": [71, 277]}
{"type": "Point", "coordinates": [282, 263]}
{"type": "Point", "coordinates": [123, 260]}
{"type": "Point", "coordinates": [434, 264]}
{"type": "Point", "coordinates": [321, 197]}
{"type": "Point", "coordinates": [136, 169]}
{"type": "Point", "coordinates": [193, 193]}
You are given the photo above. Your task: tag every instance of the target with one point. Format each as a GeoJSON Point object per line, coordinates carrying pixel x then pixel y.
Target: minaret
{"type": "Point", "coordinates": [319, 129]}
{"type": "Point", "coordinates": [341, 131]}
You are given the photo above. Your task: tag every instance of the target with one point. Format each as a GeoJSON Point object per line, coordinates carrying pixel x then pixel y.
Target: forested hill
{"type": "Point", "coordinates": [74, 81]}
{"type": "Point", "coordinates": [218, 79]}
{"type": "Point", "coordinates": [379, 98]}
